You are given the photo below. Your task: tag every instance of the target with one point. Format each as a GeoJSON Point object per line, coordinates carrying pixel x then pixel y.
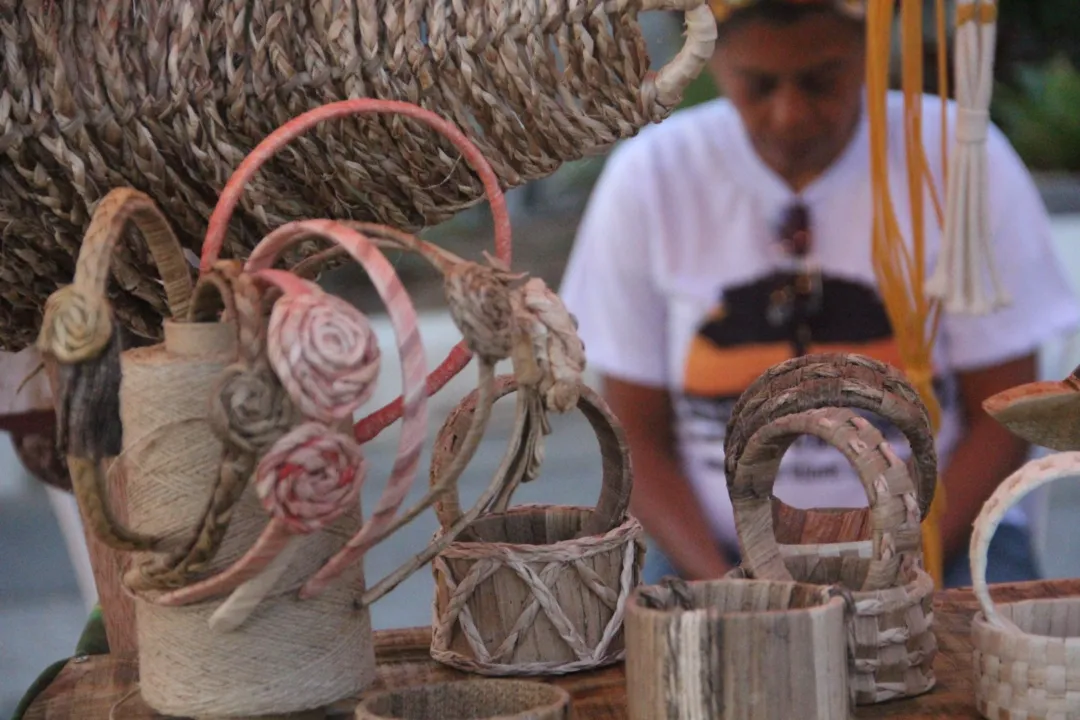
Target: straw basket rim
{"type": "Point", "coordinates": [823, 607]}
{"type": "Point", "coordinates": [586, 546]}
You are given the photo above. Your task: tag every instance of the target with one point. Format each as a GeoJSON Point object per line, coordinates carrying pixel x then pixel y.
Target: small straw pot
{"type": "Point", "coordinates": [835, 380]}
{"type": "Point", "coordinates": [538, 589]}
{"type": "Point", "coordinates": [486, 699]}
{"type": "Point", "coordinates": [736, 650]}
{"type": "Point", "coordinates": [891, 644]}
{"type": "Point", "coordinates": [1026, 654]}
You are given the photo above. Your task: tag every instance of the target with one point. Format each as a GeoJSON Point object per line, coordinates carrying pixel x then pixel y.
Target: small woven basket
{"type": "Point", "coordinates": [736, 650]}
{"type": "Point", "coordinates": [891, 642]}
{"type": "Point", "coordinates": [835, 380]}
{"type": "Point", "coordinates": [470, 700]}
{"type": "Point", "coordinates": [1026, 654]}
{"type": "Point", "coordinates": [537, 589]}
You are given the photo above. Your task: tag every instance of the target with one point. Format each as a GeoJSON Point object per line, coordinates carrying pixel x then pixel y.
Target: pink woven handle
{"type": "Point", "coordinates": [1032, 475]}
{"type": "Point", "coordinates": [459, 356]}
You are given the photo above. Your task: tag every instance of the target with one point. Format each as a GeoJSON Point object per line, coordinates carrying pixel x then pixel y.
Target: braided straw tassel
{"type": "Point", "coordinates": [966, 245]}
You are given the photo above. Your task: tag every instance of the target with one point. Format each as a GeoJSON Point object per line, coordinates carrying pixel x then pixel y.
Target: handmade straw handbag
{"type": "Point", "coordinates": [1026, 654]}
{"type": "Point", "coordinates": [536, 589]}
{"type": "Point", "coordinates": [533, 85]}
{"type": "Point", "coordinates": [737, 650]}
{"type": "Point", "coordinates": [890, 636]}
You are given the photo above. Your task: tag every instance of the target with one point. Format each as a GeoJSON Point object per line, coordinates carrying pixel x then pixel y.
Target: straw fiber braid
{"type": "Point", "coordinates": [169, 96]}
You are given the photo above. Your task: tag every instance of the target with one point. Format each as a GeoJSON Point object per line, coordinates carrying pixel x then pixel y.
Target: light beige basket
{"type": "Point", "coordinates": [537, 589]}
{"type": "Point", "coordinates": [736, 650]}
{"type": "Point", "coordinates": [471, 699]}
{"type": "Point", "coordinates": [1026, 654]}
{"type": "Point", "coordinates": [890, 637]}
{"type": "Point", "coordinates": [835, 380]}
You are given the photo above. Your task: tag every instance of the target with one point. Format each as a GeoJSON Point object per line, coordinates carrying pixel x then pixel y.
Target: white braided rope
{"type": "Point", "coordinates": [967, 245]}
{"type": "Point", "coordinates": [560, 558]}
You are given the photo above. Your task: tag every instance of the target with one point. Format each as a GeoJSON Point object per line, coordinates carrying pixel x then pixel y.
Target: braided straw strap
{"type": "Point", "coordinates": [1027, 654]}
{"type": "Point", "coordinates": [837, 380]}
{"type": "Point", "coordinates": [78, 334]}
{"type": "Point", "coordinates": [477, 699]}
{"type": "Point", "coordinates": [563, 573]}
{"type": "Point", "coordinates": [894, 513]}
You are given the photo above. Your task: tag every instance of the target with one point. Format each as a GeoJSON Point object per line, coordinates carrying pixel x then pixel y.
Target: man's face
{"type": "Point", "coordinates": [798, 88]}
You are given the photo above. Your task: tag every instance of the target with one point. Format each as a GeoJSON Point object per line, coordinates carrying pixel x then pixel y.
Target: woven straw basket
{"type": "Point", "coordinates": [534, 84]}
{"type": "Point", "coordinates": [835, 380]}
{"type": "Point", "coordinates": [472, 699]}
{"type": "Point", "coordinates": [1026, 654]}
{"type": "Point", "coordinates": [537, 589]}
{"type": "Point", "coordinates": [736, 650]}
{"type": "Point", "coordinates": [891, 643]}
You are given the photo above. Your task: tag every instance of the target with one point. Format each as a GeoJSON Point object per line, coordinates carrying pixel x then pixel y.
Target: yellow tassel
{"type": "Point", "coordinates": [900, 272]}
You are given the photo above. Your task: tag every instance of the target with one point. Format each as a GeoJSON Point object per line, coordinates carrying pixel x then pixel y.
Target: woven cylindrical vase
{"type": "Point", "coordinates": [472, 699]}
{"type": "Point", "coordinates": [891, 641]}
{"type": "Point", "coordinates": [1026, 656]}
{"type": "Point", "coordinates": [290, 655]}
{"type": "Point", "coordinates": [540, 589]}
{"type": "Point", "coordinates": [736, 650]}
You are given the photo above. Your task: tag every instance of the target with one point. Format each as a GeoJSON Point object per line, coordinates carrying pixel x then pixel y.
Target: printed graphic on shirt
{"type": "Point", "coordinates": [736, 342]}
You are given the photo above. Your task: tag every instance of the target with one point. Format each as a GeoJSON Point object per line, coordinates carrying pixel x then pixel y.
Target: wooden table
{"type": "Point", "coordinates": [88, 689]}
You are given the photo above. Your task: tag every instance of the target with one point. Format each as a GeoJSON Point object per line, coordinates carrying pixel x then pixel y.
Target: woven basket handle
{"type": "Point", "coordinates": [611, 507]}
{"type": "Point", "coordinates": [837, 380]}
{"type": "Point", "coordinates": [1031, 476]}
{"type": "Point", "coordinates": [79, 334]}
{"type": "Point", "coordinates": [672, 80]}
{"type": "Point", "coordinates": [889, 490]}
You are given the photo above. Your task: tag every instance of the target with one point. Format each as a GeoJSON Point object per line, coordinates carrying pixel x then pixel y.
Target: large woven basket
{"type": "Point", "coordinates": [169, 97]}
{"type": "Point", "coordinates": [1026, 654]}
{"type": "Point", "coordinates": [537, 589]}
{"type": "Point", "coordinates": [736, 650]}
{"type": "Point", "coordinates": [891, 642]}
{"type": "Point", "coordinates": [835, 380]}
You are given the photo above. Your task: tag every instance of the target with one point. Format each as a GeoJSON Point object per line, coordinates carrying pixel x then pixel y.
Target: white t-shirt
{"type": "Point", "coordinates": [671, 269]}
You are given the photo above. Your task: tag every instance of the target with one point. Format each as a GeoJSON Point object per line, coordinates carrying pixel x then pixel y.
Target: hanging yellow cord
{"type": "Point", "coordinates": [900, 272]}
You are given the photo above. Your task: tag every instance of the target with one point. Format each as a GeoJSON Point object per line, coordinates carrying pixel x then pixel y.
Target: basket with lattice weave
{"type": "Point", "coordinates": [891, 644]}
{"type": "Point", "coordinates": [537, 589]}
{"type": "Point", "coordinates": [169, 97]}
{"type": "Point", "coordinates": [847, 380]}
{"type": "Point", "coordinates": [1026, 656]}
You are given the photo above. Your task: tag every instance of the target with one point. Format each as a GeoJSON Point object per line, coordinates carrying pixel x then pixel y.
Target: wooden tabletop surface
{"type": "Point", "coordinates": [88, 689]}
